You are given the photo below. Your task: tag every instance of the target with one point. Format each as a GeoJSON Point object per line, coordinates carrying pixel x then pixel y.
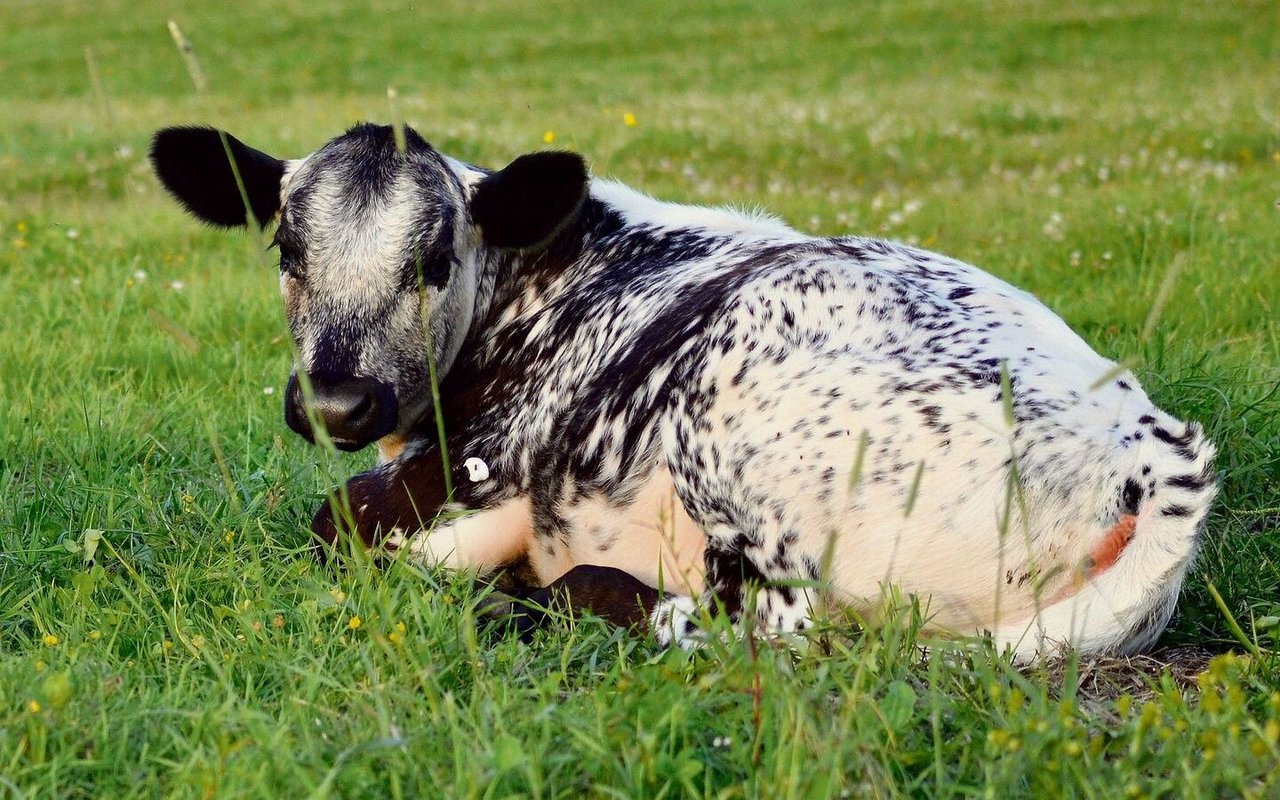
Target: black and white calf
{"type": "Point", "coordinates": [708, 401]}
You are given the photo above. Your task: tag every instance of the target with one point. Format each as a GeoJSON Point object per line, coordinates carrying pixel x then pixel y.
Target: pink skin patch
{"type": "Point", "coordinates": [1104, 556]}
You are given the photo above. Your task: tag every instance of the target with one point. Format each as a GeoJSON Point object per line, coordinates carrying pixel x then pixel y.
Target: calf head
{"type": "Point", "coordinates": [382, 250]}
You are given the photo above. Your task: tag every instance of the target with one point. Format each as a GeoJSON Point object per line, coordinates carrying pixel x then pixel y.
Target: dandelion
{"type": "Point", "coordinates": [166, 645]}
{"type": "Point", "coordinates": [95, 635]}
{"type": "Point", "coordinates": [229, 537]}
{"type": "Point", "coordinates": [354, 623]}
{"type": "Point", "coordinates": [50, 640]}
{"type": "Point", "coordinates": [40, 665]}
{"type": "Point", "coordinates": [549, 137]}
{"type": "Point", "coordinates": [629, 120]}
{"type": "Point", "coordinates": [33, 706]}
{"type": "Point", "coordinates": [396, 636]}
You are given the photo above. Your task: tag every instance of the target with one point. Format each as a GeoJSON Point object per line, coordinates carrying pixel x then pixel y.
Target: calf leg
{"type": "Point", "coordinates": [400, 496]}
{"type": "Point", "coordinates": [605, 592]}
{"type": "Point", "coordinates": [738, 590]}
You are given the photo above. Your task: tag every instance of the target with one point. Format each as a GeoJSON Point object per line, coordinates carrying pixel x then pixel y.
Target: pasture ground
{"type": "Point", "coordinates": [163, 631]}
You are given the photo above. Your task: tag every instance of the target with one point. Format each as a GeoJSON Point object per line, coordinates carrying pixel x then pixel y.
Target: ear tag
{"type": "Point", "coordinates": [477, 470]}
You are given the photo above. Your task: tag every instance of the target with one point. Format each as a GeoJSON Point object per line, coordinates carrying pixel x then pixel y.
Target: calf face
{"type": "Point", "coordinates": [378, 246]}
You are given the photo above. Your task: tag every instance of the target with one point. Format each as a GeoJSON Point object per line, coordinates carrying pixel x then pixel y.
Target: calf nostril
{"type": "Point", "coordinates": [362, 409]}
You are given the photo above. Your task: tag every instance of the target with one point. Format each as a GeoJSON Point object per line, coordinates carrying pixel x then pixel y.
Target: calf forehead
{"type": "Point", "coordinates": [359, 211]}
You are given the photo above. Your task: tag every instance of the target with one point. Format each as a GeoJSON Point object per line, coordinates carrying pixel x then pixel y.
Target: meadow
{"type": "Point", "coordinates": [164, 630]}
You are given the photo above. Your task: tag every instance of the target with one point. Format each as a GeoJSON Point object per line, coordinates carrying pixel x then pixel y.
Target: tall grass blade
{"type": "Point", "coordinates": [188, 53]}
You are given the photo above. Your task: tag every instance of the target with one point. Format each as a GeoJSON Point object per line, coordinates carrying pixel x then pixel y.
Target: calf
{"type": "Point", "coordinates": [748, 419]}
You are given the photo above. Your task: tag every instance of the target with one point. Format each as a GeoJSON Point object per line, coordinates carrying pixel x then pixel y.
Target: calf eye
{"type": "Point", "coordinates": [289, 264]}
{"type": "Point", "coordinates": [431, 271]}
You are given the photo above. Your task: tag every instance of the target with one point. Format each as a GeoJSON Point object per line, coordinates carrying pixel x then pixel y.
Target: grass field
{"type": "Point", "coordinates": [163, 631]}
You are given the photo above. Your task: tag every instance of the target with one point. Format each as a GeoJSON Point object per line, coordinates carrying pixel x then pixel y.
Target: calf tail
{"type": "Point", "coordinates": [1129, 590]}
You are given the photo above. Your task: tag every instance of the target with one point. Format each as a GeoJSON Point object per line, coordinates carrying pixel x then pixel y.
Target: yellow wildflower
{"type": "Point", "coordinates": [629, 120]}
{"type": "Point", "coordinates": [549, 137]}
{"type": "Point", "coordinates": [354, 623]}
{"type": "Point", "coordinates": [50, 640]}
{"type": "Point", "coordinates": [34, 706]}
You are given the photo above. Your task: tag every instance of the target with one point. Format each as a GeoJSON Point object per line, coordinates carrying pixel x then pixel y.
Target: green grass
{"type": "Point", "coordinates": [1073, 148]}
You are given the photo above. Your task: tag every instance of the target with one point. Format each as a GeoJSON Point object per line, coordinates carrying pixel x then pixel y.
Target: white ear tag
{"type": "Point", "coordinates": [477, 470]}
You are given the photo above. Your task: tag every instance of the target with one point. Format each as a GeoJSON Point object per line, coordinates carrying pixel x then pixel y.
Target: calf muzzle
{"type": "Point", "coordinates": [354, 411]}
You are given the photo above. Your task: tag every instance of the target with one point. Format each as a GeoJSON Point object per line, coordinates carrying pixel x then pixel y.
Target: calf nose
{"type": "Point", "coordinates": [355, 411]}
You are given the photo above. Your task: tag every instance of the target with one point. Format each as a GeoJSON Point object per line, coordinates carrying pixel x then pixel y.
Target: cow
{"type": "Point", "coordinates": [679, 414]}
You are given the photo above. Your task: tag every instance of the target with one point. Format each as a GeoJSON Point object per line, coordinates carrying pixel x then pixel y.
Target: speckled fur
{"type": "Point", "coordinates": [750, 367]}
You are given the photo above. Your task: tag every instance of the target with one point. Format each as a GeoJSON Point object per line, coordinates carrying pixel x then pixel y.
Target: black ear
{"type": "Point", "coordinates": [192, 164]}
{"type": "Point", "coordinates": [531, 200]}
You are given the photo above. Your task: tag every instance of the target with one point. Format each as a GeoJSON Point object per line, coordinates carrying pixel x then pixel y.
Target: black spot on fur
{"type": "Point", "coordinates": [1131, 497]}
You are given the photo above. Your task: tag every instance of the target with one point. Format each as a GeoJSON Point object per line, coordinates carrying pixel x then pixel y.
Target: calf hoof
{"type": "Point", "coordinates": [499, 615]}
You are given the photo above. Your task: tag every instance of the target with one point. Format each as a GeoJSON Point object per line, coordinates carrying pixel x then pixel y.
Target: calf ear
{"type": "Point", "coordinates": [193, 165]}
{"type": "Point", "coordinates": [531, 200]}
